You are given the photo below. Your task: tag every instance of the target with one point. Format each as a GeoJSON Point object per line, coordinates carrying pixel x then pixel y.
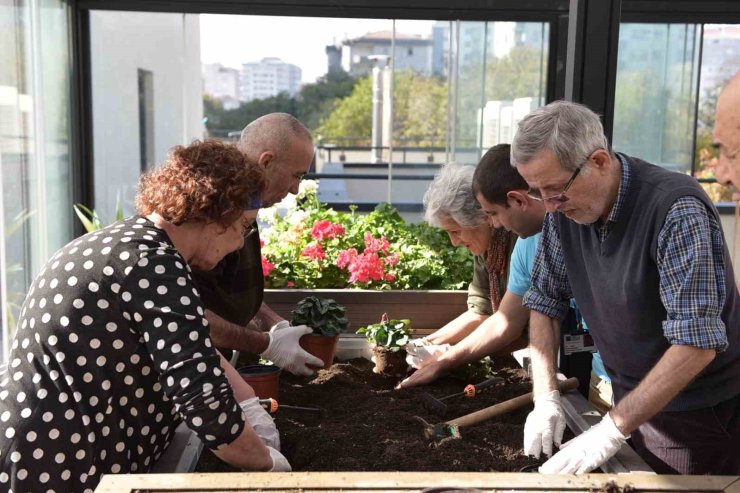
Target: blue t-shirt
{"type": "Point", "coordinates": [520, 273]}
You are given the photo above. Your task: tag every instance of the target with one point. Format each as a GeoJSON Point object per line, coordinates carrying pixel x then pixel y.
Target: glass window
{"type": "Point", "coordinates": [655, 97]}
{"type": "Point", "coordinates": [35, 183]}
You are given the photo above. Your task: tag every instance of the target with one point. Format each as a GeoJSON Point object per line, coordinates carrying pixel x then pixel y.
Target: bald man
{"type": "Point", "coordinates": [727, 136]}
{"type": "Point", "coordinates": [233, 291]}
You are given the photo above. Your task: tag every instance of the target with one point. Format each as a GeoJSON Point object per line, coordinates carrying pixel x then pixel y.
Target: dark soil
{"type": "Point", "coordinates": [367, 425]}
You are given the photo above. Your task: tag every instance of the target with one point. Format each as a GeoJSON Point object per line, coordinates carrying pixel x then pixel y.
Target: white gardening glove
{"type": "Point", "coordinates": [587, 451]}
{"type": "Point", "coordinates": [284, 351]}
{"type": "Point", "coordinates": [423, 355]}
{"type": "Point", "coordinates": [261, 422]}
{"type": "Point", "coordinates": [545, 425]}
{"type": "Point", "coordinates": [279, 462]}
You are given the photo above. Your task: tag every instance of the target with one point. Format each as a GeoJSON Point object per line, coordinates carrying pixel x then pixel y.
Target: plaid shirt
{"type": "Point", "coordinates": [691, 270]}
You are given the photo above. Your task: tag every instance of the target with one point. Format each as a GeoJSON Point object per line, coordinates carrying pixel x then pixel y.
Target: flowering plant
{"type": "Point", "coordinates": [313, 246]}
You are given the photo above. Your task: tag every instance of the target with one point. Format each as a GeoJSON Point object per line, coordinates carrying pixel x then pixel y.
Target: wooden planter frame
{"type": "Point", "coordinates": [386, 482]}
{"type": "Point", "coordinates": [428, 310]}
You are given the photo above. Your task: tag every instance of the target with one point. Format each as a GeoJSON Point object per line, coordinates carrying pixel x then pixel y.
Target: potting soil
{"type": "Point", "coordinates": [367, 425]}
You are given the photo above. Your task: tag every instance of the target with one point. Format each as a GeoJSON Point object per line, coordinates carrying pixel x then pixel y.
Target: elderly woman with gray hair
{"type": "Point", "coordinates": [451, 205]}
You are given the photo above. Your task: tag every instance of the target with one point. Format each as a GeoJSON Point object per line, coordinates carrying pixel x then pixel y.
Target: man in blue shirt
{"type": "Point", "coordinates": [502, 194]}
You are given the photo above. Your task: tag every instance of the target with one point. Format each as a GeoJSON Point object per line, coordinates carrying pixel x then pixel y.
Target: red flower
{"type": "Point", "coordinates": [376, 245]}
{"type": "Point", "coordinates": [314, 252]}
{"type": "Point", "coordinates": [325, 229]}
{"type": "Point", "coordinates": [366, 267]}
{"type": "Point", "coordinates": [393, 259]}
{"type": "Point", "coordinates": [267, 266]}
{"type": "Point", "coordinates": [346, 257]}
{"type": "Point", "coordinates": [291, 284]}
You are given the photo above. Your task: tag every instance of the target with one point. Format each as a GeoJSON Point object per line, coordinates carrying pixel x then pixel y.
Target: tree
{"type": "Point", "coordinates": [351, 117]}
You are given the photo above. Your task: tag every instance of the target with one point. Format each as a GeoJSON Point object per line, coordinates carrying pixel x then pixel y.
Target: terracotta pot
{"type": "Point", "coordinates": [323, 347]}
{"type": "Point", "coordinates": [391, 363]}
{"type": "Point", "coordinates": [263, 379]}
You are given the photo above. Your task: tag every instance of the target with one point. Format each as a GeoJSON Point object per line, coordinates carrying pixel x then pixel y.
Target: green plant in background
{"type": "Point", "coordinates": [89, 217]}
{"type": "Point", "coordinates": [324, 315]}
{"type": "Point", "coordinates": [390, 334]}
{"type": "Point", "coordinates": [313, 246]}
{"type": "Point", "coordinates": [475, 371]}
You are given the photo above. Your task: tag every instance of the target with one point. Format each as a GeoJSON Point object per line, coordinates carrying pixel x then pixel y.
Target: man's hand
{"type": "Point", "coordinates": [284, 351]}
{"type": "Point", "coordinates": [419, 352]}
{"type": "Point", "coordinates": [545, 425]}
{"type": "Point", "coordinates": [587, 451]}
{"type": "Point", "coordinates": [424, 376]}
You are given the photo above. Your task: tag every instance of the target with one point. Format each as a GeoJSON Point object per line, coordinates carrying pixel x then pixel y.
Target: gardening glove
{"type": "Point", "coordinates": [545, 425]}
{"type": "Point", "coordinates": [284, 351]}
{"type": "Point", "coordinates": [279, 462]}
{"type": "Point", "coordinates": [261, 422]}
{"type": "Point", "coordinates": [420, 355]}
{"type": "Point", "coordinates": [587, 451]}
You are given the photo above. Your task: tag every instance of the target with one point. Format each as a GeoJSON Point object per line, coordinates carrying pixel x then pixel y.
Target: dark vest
{"type": "Point", "coordinates": [235, 287]}
{"type": "Point", "coordinates": [616, 286]}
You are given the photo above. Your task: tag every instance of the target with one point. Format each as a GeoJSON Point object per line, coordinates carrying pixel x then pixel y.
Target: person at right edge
{"type": "Point", "coordinates": [641, 251]}
{"type": "Point", "coordinates": [233, 291]}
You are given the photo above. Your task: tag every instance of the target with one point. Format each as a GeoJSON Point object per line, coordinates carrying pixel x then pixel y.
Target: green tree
{"type": "Point", "coordinates": [351, 117]}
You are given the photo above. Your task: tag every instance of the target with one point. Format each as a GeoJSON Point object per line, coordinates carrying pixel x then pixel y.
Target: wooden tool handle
{"type": "Point", "coordinates": [507, 406]}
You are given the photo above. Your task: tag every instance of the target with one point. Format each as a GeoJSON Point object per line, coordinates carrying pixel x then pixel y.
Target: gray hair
{"type": "Point", "coordinates": [274, 132]}
{"type": "Point", "coordinates": [450, 195]}
{"type": "Point", "coordinates": [569, 130]}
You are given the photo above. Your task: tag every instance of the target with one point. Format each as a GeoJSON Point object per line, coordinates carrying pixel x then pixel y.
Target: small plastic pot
{"type": "Point", "coordinates": [264, 379]}
{"type": "Point", "coordinates": [323, 347]}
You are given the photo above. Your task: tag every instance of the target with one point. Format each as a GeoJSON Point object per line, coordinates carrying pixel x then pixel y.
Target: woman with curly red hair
{"type": "Point", "coordinates": [112, 349]}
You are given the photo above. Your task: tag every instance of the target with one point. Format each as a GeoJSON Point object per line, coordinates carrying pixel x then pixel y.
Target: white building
{"type": "Point", "coordinates": [501, 120]}
{"type": "Point", "coordinates": [720, 55]}
{"type": "Point", "coordinates": [147, 94]}
{"type": "Point", "coordinates": [413, 52]}
{"type": "Point", "coordinates": [221, 82]}
{"type": "Point", "coordinates": [268, 77]}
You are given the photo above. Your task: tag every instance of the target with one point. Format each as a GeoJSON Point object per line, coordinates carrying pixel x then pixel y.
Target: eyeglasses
{"type": "Point", "coordinates": [559, 198]}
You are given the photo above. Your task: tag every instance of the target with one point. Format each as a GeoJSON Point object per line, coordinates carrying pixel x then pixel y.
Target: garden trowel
{"type": "Point", "coordinates": [451, 428]}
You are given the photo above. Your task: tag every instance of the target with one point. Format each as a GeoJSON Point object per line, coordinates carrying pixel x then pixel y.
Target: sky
{"type": "Point", "coordinates": [236, 39]}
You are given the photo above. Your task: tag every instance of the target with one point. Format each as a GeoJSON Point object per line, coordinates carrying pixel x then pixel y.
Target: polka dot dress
{"type": "Point", "coordinates": [111, 353]}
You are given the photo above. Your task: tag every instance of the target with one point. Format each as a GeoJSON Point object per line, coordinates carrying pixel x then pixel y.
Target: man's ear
{"type": "Point", "coordinates": [265, 159]}
{"type": "Point", "coordinates": [601, 160]}
{"type": "Point", "coordinates": [516, 198]}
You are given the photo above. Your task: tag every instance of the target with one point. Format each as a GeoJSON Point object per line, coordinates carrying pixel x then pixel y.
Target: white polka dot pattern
{"type": "Point", "coordinates": [110, 342]}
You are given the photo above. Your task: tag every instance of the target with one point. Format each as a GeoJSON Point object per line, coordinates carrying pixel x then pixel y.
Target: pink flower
{"type": "Point", "coordinates": [314, 252]}
{"type": "Point", "coordinates": [376, 245]}
{"type": "Point", "coordinates": [325, 229]}
{"type": "Point", "coordinates": [267, 266]}
{"type": "Point", "coordinates": [390, 277]}
{"type": "Point", "coordinates": [365, 268]}
{"type": "Point", "coordinates": [393, 259]}
{"type": "Point", "coordinates": [346, 257]}
{"type": "Point", "coordinates": [291, 284]}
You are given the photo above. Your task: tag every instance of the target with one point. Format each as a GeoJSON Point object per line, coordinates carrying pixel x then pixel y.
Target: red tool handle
{"type": "Point", "coordinates": [473, 390]}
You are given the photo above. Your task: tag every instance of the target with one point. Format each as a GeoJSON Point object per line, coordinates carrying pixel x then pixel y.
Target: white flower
{"type": "Point", "coordinates": [288, 203]}
{"type": "Point", "coordinates": [297, 217]}
{"type": "Point", "coordinates": [307, 187]}
{"type": "Point", "coordinates": [269, 215]}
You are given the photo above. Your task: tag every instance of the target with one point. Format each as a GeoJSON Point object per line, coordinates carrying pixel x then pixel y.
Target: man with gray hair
{"type": "Point", "coordinates": [727, 136]}
{"type": "Point", "coordinates": [233, 291]}
{"type": "Point", "coordinates": [641, 250]}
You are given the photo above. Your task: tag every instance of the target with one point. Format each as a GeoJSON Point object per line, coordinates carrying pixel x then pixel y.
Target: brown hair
{"type": "Point", "coordinates": [207, 181]}
{"type": "Point", "coordinates": [495, 176]}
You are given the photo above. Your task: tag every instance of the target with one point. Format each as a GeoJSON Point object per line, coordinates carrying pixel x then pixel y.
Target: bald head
{"type": "Point", "coordinates": [283, 146]}
{"type": "Point", "coordinates": [272, 132]}
{"type": "Point", "coordinates": [727, 135]}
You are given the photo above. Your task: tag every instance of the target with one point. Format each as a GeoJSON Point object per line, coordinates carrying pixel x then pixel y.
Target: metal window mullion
{"type": "Point", "coordinates": [698, 57]}
{"type": "Point", "coordinates": [390, 112]}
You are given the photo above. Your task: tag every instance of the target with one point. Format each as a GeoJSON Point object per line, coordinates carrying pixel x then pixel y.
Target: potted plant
{"type": "Point", "coordinates": [264, 379]}
{"type": "Point", "coordinates": [388, 339]}
{"type": "Point", "coordinates": [326, 317]}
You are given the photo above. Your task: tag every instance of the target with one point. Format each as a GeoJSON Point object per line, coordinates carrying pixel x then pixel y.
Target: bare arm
{"type": "Point", "coordinates": [457, 329]}
{"type": "Point", "coordinates": [494, 334]}
{"type": "Point", "coordinates": [544, 340]}
{"type": "Point", "coordinates": [673, 372]}
{"type": "Point", "coordinates": [232, 336]}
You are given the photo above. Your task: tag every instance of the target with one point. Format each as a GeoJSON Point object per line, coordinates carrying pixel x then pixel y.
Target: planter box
{"type": "Point", "coordinates": [411, 482]}
{"type": "Point", "coordinates": [428, 310]}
